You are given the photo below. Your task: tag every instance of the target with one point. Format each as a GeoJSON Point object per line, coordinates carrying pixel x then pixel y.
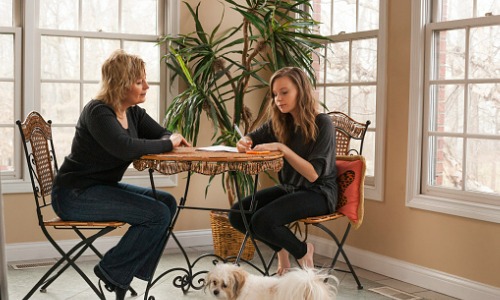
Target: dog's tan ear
{"type": "Point", "coordinates": [239, 277]}
{"type": "Point", "coordinates": [208, 281]}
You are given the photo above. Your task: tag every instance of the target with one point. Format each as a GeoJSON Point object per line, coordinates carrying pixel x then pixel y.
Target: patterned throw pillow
{"type": "Point", "coordinates": [350, 179]}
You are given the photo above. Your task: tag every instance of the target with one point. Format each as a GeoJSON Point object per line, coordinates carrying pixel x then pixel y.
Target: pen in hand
{"type": "Point", "coordinates": [247, 143]}
{"type": "Point", "coordinates": [238, 131]}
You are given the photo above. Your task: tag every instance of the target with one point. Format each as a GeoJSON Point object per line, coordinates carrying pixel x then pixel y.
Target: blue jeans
{"type": "Point", "coordinates": [138, 251]}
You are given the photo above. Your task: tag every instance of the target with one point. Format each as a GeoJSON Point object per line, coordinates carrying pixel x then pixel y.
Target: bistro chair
{"type": "Point", "coordinates": [36, 135]}
{"type": "Point", "coordinates": [351, 167]}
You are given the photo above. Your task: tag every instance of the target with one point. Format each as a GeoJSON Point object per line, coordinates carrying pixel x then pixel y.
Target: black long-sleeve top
{"type": "Point", "coordinates": [102, 149]}
{"type": "Point", "coordinates": [321, 154]}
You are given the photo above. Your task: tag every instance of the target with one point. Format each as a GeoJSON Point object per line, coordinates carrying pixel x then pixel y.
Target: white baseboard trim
{"type": "Point", "coordinates": [44, 250]}
{"type": "Point", "coordinates": [430, 279]}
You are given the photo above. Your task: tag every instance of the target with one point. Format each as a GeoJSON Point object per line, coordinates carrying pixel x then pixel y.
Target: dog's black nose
{"type": "Point", "coordinates": [216, 292]}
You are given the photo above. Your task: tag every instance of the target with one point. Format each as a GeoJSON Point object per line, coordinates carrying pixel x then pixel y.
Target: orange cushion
{"type": "Point", "coordinates": [350, 179]}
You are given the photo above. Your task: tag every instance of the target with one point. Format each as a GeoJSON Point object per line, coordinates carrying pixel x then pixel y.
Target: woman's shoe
{"type": "Point", "coordinates": [120, 293]}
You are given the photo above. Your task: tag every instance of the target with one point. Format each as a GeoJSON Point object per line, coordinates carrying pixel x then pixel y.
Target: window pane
{"type": "Point", "coordinates": [484, 52]}
{"type": "Point", "coordinates": [483, 166]}
{"type": "Point", "coordinates": [337, 99]}
{"type": "Point", "coordinates": [456, 9]}
{"type": "Point", "coordinates": [60, 102]}
{"type": "Point", "coordinates": [98, 15]}
{"type": "Point", "coordinates": [60, 58]}
{"type": "Point", "coordinates": [152, 101]}
{"type": "Point", "coordinates": [6, 13]}
{"type": "Point", "coordinates": [344, 16]}
{"type": "Point", "coordinates": [63, 137]}
{"type": "Point", "coordinates": [488, 6]}
{"type": "Point", "coordinates": [59, 14]}
{"type": "Point", "coordinates": [363, 104]}
{"type": "Point", "coordinates": [450, 54]}
{"type": "Point", "coordinates": [368, 15]}
{"type": "Point", "coordinates": [369, 153]}
{"type": "Point", "coordinates": [7, 149]}
{"type": "Point", "coordinates": [319, 65]}
{"type": "Point", "coordinates": [150, 53]}
{"type": "Point", "coordinates": [140, 17]}
{"type": "Point", "coordinates": [484, 109]}
{"type": "Point", "coordinates": [364, 60]}
{"type": "Point", "coordinates": [447, 108]}
{"type": "Point", "coordinates": [7, 56]}
{"type": "Point", "coordinates": [319, 94]}
{"type": "Point", "coordinates": [323, 14]}
{"type": "Point", "coordinates": [96, 51]}
{"type": "Point", "coordinates": [89, 92]}
{"type": "Point", "coordinates": [445, 162]}
{"type": "Point", "coordinates": [7, 103]}
{"type": "Point", "coordinates": [337, 69]}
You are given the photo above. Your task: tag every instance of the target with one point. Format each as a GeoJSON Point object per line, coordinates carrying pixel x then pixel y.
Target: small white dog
{"type": "Point", "coordinates": [230, 282]}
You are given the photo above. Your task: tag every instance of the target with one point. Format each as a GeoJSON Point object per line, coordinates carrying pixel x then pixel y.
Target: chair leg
{"type": "Point", "coordinates": [69, 261]}
{"type": "Point", "coordinates": [340, 250]}
{"type": "Point", "coordinates": [270, 262]}
{"type": "Point", "coordinates": [66, 257]}
{"type": "Point", "coordinates": [133, 293]}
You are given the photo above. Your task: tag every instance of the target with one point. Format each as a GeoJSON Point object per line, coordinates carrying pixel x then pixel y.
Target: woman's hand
{"type": "Point", "coordinates": [244, 144]}
{"type": "Point", "coordinates": [270, 147]}
{"type": "Point", "coordinates": [301, 165]}
{"type": "Point", "coordinates": [178, 140]}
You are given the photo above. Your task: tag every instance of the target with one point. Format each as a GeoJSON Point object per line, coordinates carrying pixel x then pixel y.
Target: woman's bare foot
{"type": "Point", "coordinates": [283, 262]}
{"type": "Point", "coordinates": [307, 262]}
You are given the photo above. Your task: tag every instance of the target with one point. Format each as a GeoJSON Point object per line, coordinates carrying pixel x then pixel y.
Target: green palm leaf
{"type": "Point", "coordinates": [221, 67]}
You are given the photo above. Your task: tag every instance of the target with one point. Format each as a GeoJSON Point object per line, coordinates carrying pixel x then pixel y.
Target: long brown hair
{"type": "Point", "coordinates": [119, 72]}
{"type": "Point", "coordinates": [284, 124]}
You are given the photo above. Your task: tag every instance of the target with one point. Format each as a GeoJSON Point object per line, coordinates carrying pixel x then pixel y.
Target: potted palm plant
{"type": "Point", "coordinates": [219, 68]}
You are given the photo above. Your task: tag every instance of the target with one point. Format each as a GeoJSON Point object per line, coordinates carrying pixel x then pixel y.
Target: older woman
{"type": "Point", "coordinates": [111, 132]}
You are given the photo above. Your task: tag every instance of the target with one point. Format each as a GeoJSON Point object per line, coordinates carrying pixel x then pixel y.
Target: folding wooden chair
{"type": "Point", "coordinates": [351, 167]}
{"type": "Point", "coordinates": [42, 165]}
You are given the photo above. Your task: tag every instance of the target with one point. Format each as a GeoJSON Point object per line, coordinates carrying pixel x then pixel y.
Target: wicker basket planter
{"type": "Point", "coordinates": [227, 240]}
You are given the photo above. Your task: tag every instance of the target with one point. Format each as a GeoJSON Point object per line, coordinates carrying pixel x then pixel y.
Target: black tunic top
{"type": "Point", "coordinates": [102, 149]}
{"type": "Point", "coordinates": [321, 154]}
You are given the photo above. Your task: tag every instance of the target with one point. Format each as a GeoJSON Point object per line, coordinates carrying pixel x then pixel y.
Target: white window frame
{"type": "Point", "coordinates": [17, 35]}
{"type": "Point", "coordinates": [374, 184]}
{"type": "Point", "coordinates": [30, 80]}
{"type": "Point", "coordinates": [453, 203]}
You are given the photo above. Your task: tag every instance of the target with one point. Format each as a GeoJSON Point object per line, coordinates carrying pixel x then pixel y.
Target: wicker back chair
{"type": "Point", "coordinates": [346, 130]}
{"type": "Point", "coordinates": [38, 147]}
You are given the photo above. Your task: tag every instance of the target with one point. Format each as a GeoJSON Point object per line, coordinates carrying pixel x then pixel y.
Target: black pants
{"type": "Point", "coordinates": [275, 209]}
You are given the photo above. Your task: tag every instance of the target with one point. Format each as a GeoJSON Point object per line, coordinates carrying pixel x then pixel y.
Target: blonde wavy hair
{"type": "Point", "coordinates": [119, 72]}
{"type": "Point", "coordinates": [284, 124]}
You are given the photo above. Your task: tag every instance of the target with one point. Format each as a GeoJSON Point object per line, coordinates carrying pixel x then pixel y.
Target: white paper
{"type": "Point", "coordinates": [218, 148]}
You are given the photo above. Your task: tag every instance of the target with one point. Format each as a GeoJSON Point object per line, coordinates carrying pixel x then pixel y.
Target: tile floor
{"type": "Point", "coordinates": [71, 286]}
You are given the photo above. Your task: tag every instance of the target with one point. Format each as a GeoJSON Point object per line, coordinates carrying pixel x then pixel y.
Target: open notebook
{"type": "Point", "coordinates": [218, 148]}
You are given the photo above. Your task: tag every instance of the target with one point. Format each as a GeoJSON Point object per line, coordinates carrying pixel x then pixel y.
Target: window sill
{"type": "Point", "coordinates": [467, 209]}
{"type": "Point", "coordinates": [22, 186]}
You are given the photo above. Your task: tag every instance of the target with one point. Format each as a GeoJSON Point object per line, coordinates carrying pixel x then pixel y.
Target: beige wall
{"type": "Point", "coordinates": [459, 246]}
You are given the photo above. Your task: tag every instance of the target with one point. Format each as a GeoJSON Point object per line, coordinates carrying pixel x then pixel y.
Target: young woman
{"type": "Point", "coordinates": [307, 181]}
{"type": "Point", "coordinates": [111, 132]}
